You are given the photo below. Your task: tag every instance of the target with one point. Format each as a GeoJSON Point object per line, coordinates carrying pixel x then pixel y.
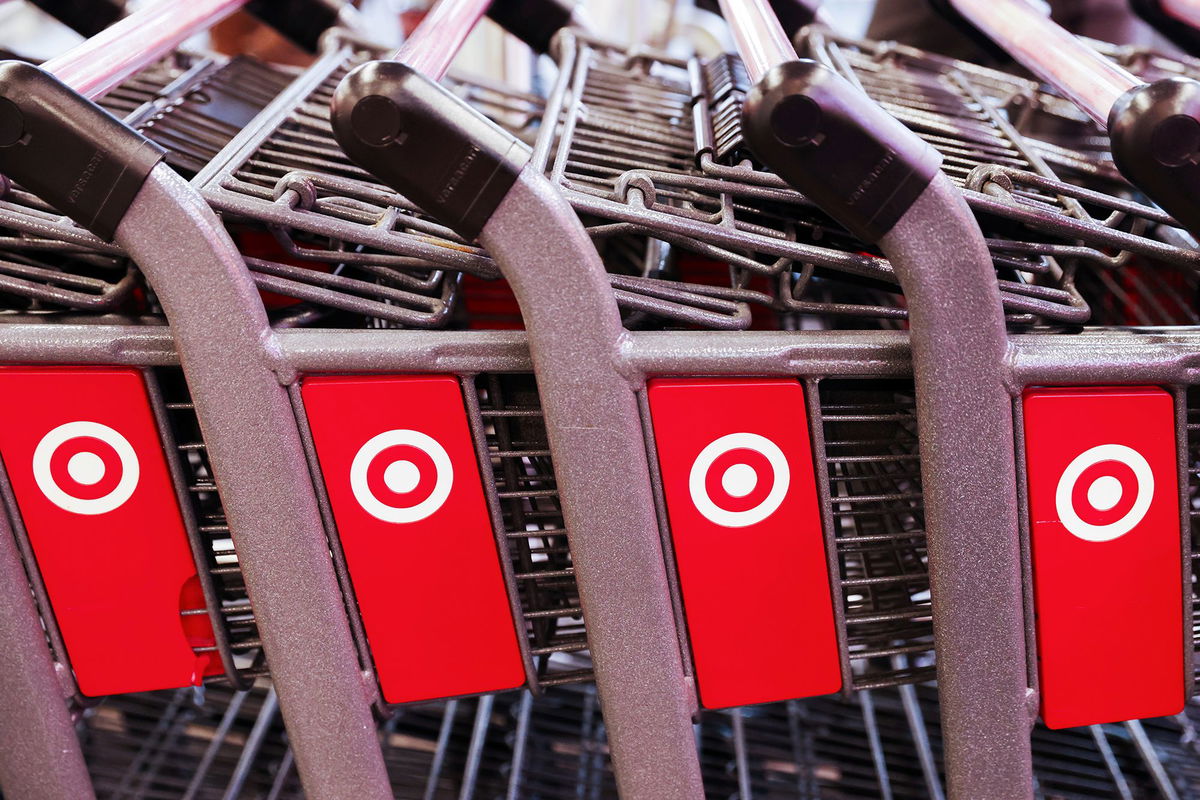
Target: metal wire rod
{"type": "Point", "coordinates": [1089, 79]}
{"type": "Point", "coordinates": [111, 56]}
{"type": "Point", "coordinates": [760, 38]}
{"type": "Point", "coordinates": [439, 37]}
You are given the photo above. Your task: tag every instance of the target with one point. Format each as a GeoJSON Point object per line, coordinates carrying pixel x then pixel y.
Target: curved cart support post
{"type": "Point", "coordinates": [416, 137]}
{"type": "Point", "coordinates": [40, 757]}
{"type": "Point", "coordinates": [225, 346]}
{"type": "Point", "coordinates": [599, 453]}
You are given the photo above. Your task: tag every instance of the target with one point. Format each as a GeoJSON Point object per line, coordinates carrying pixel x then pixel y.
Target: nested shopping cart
{"type": "Point", "coordinates": [1135, 619]}
{"type": "Point", "coordinates": [1078, 228]}
{"type": "Point", "coordinates": [109, 481]}
{"type": "Point", "coordinates": [628, 685]}
{"type": "Point", "coordinates": [880, 554]}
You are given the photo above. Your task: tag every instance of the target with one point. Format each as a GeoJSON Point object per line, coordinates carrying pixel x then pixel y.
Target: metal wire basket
{"type": "Point", "coordinates": [232, 744]}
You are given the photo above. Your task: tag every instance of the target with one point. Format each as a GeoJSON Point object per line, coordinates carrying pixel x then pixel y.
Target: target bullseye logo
{"type": "Point", "coordinates": [739, 479]}
{"type": "Point", "coordinates": [1104, 492]}
{"type": "Point", "coordinates": [86, 468]}
{"type": "Point", "coordinates": [401, 476]}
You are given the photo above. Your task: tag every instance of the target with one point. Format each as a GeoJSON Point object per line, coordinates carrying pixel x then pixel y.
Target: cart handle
{"type": "Point", "coordinates": [431, 48]}
{"type": "Point", "coordinates": [301, 21]}
{"type": "Point", "coordinates": [86, 164]}
{"type": "Point", "coordinates": [427, 144]}
{"type": "Point", "coordinates": [1178, 20]}
{"type": "Point", "coordinates": [103, 61]}
{"type": "Point", "coordinates": [792, 14]}
{"type": "Point", "coordinates": [1051, 53]}
{"type": "Point", "coordinates": [1154, 128]}
{"type": "Point", "coordinates": [831, 142]}
{"type": "Point", "coordinates": [821, 134]}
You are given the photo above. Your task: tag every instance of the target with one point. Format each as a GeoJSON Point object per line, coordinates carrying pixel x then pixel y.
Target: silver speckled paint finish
{"type": "Point", "coordinates": [599, 454]}
{"type": "Point", "coordinates": [226, 348]}
{"type": "Point", "coordinates": [959, 348]}
{"type": "Point", "coordinates": [40, 757]}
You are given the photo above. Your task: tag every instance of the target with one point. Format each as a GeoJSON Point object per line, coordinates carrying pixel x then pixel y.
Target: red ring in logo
{"type": "Point", "coordinates": [113, 468]}
{"type": "Point", "coordinates": [741, 456]}
{"type": "Point", "coordinates": [1104, 469]}
{"type": "Point", "coordinates": [426, 469]}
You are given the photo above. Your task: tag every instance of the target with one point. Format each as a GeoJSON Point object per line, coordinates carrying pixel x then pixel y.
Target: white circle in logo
{"type": "Point", "coordinates": [739, 480]}
{"type": "Point", "coordinates": [401, 476]}
{"type": "Point", "coordinates": [86, 468]}
{"type": "Point", "coordinates": [1104, 493]}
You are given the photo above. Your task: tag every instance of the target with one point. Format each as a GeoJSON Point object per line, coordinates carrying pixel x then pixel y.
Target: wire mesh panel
{"type": "Point", "coordinates": [684, 178]}
{"type": "Point", "coordinates": [1193, 508]}
{"type": "Point", "coordinates": [528, 494]}
{"type": "Point", "coordinates": [972, 116]}
{"type": "Point", "coordinates": [878, 525]}
{"type": "Point", "coordinates": [184, 745]}
{"type": "Point", "coordinates": [883, 743]}
{"type": "Point", "coordinates": [191, 455]}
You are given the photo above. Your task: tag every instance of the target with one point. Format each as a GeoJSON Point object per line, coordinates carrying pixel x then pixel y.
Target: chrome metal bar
{"type": "Point", "coordinates": [1145, 748]}
{"type": "Point", "coordinates": [266, 715]}
{"type": "Point", "coordinates": [1089, 79]}
{"type": "Point", "coordinates": [439, 37]}
{"type": "Point", "coordinates": [592, 419]}
{"type": "Point", "coordinates": [217, 742]}
{"type": "Point", "coordinates": [760, 38]}
{"type": "Point", "coordinates": [111, 56]}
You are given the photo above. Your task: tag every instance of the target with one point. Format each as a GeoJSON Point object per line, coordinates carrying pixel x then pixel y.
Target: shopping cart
{"type": "Point", "coordinates": [941, 99]}
{"type": "Point", "coordinates": [973, 136]}
{"type": "Point", "coordinates": [115, 186]}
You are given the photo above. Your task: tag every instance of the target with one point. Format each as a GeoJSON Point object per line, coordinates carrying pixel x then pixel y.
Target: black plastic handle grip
{"type": "Point", "coordinates": [1180, 32]}
{"type": "Point", "coordinates": [534, 22]}
{"type": "Point", "coordinates": [69, 151]}
{"type": "Point", "coordinates": [835, 145]}
{"type": "Point", "coordinates": [1155, 135]}
{"type": "Point", "coordinates": [86, 17]}
{"type": "Point", "coordinates": [426, 144]}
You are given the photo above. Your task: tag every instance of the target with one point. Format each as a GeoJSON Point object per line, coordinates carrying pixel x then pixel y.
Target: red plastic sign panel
{"type": "Point", "coordinates": [86, 463]}
{"type": "Point", "coordinates": [402, 476]}
{"type": "Point", "coordinates": [737, 472]}
{"type": "Point", "coordinates": [1107, 553]}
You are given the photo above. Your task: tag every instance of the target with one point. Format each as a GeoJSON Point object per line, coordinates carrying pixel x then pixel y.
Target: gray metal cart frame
{"type": "Point", "coordinates": [225, 345]}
